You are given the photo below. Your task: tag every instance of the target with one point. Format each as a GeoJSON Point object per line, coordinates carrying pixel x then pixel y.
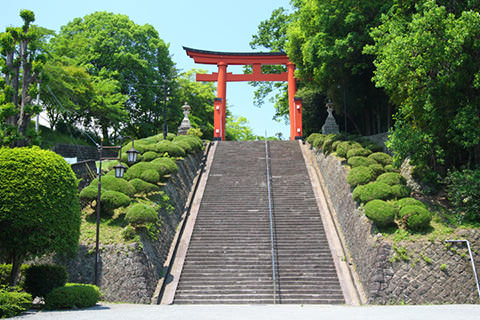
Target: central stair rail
{"type": "Point", "coordinates": [271, 222]}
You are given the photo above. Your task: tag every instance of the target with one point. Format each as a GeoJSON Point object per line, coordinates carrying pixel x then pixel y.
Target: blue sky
{"type": "Point", "coordinates": [217, 25]}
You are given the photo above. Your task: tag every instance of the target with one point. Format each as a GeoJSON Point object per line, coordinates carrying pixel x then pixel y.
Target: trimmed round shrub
{"type": "Point", "coordinates": [390, 168]}
{"type": "Point", "coordinates": [111, 200]}
{"type": "Point", "coordinates": [312, 137]}
{"type": "Point", "coordinates": [335, 144]}
{"type": "Point", "coordinates": [360, 175]}
{"type": "Point", "coordinates": [400, 191]}
{"type": "Point", "coordinates": [41, 279]}
{"type": "Point", "coordinates": [128, 233]}
{"type": "Point", "coordinates": [112, 183]}
{"type": "Point", "coordinates": [360, 161]}
{"type": "Point", "coordinates": [143, 186]}
{"type": "Point", "coordinates": [344, 146]}
{"type": "Point", "coordinates": [150, 175]}
{"type": "Point", "coordinates": [138, 145]}
{"type": "Point", "coordinates": [416, 218]}
{"type": "Point", "coordinates": [89, 193]}
{"type": "Point", "coordinates": [170, 136]}
{"type": "Point", "coordinates": [169, 147]}
{"type": "Point", "coordinates": [185, 146]}
{"type": "Point", "coordinates": [409, 202]}
{"type": "Point", "coordinates": [194, 142]}
{"type": "Point", "coordinates": [72, 296]}
{"type": "Point", "coordinates": [382, 158]}
{"type": "Point", "coordinates": [167, 164]}
{"type": "Point", "coordinates": [318, 141]}
{"type": "Point", "coordinates": [377, 169]}
{"type": "Point", "coordinates": [391, 178]}
{"type": "Point", "coordinates": [327, 146]}
{"type": "Point", "coordinates": [380, 212]}
{"type": "Point", "coordinates": [148, 171]}
{"type": "Point", "coordinates": [150, 155]}
{"type": "Point", "coordinates": [140, 214]}
{"type": "Point", "coordinates": [12, 303]}
{"type": "Point", "coordinates": [372, 191]}
{"type": "Point", "coordinates": [358, 152]}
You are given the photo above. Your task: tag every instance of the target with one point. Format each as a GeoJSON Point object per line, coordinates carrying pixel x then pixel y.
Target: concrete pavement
{"type": "Point", "coordinates": [261, 312]}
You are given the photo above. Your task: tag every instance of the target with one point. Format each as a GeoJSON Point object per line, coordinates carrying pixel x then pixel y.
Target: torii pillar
{"type": "Point", "coordinates": [256, 60]}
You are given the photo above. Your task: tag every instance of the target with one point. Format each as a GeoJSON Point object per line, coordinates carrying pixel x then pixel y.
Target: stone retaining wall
{"type": "Point", "coordinates": [130, 272]}
{"type": "Point", "coordinates": [420, 272]}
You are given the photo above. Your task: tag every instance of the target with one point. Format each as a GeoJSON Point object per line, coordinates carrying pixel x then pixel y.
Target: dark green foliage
{"type": "Point", "coordinates": [112, 183]}
{"type": "Point", "coordinates": [409, 202]}
{"type": "Point", "coordinates": [111, 200]}
{"type": "Point", "coordinates": [372, 191]}
{"type": "Point", "coordinates": [382, 158]}
{"type": "Point", "coordinates": [416, 218]}
{"type": "Point", "coordinates": [40, 210]}
{"type": "Point", "coordinates": [167, 164]}
{"type": "Point", "coordinates": [390, 168]}
{"type": "Point", "coordinates": [194, 143]}
{"type": "Point", "coordinates": [391, 178]}
{"type": "Point", "coordinates": [312, 137]}
{"type": "Point", "coordinates": [360, 161]}
{"type": "Point", "coordinates": [5, 272]}
{"type": "Point", "coordinates": [344, 146]}
{"type": "Point", "coordinates": [360, 175]}
{"type": "Point", "coordinates": [169, 147]}
{"type": "Point", "coordinates": [72, 296]}
{"type": "Point", "coordinates": [327, 146]}
{"type": "Point", "coordinates": [143, 186]}
{"type": "Point", "coordinates": [318, 141]}
{"type": "Point", "coordinates": [377, 169]}
{"type": "Point", "coordinates": [463, 190]}
{"type": "Point", "coordinates": [139, 214]}
{"type": "Point", "coordinates": [40, 280]}
{"type": "Point", "coordinates": [380, 212]}
{"type": "Point", "coordinates": [400, 191]}
{"type": "Point", "coordinates": [150, 155]}
{"type": "Point", "coordinates": [358, 152]}
{"type": "Point", "coordinates": [12, 303]}
{"type": "Point", "coordinates": [128, 233]}
{"type": "Point", "coordinates": [89, 193]}
{"type": "Point", "coordinates": [335, 144]}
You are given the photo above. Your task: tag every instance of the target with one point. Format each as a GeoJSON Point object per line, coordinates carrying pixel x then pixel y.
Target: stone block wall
{"type": "Point", "coordinates": [130, 272]}
{"type": "Point", "coordinates": [420, 272]}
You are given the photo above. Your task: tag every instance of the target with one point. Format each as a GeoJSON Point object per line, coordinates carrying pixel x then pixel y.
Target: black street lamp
{"type": "Point", "coordinates": [165, 99]}
{"type": "Point", "coordinates": [119, 171]}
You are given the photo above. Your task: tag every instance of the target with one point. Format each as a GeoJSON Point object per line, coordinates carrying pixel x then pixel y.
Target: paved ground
{"type": "Point", "coordinates": [288, 312]}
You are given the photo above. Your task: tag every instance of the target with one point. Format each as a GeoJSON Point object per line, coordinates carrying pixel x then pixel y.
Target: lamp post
{"type": "Point", "coordinates": [165, 99]}
{"type": "Point", "coordinates": [119, 171]}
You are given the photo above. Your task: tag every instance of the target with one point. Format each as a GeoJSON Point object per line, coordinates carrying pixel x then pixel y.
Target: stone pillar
{"type": "Point", "coordinates": [330, 125]}
{"type": "Point", "coordinates": [185, 125]}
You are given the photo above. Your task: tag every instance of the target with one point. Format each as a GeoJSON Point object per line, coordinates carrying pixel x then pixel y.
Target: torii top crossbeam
{"type": "Point", "coordinates": [256, 60]}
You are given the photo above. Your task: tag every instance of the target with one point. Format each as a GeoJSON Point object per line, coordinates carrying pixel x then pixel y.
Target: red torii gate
{"type": "Point", "coordinates": [256, 60]}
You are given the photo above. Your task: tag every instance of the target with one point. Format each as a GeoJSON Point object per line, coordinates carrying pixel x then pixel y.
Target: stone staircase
{"type": "Point", "coordinates": [229, 256]}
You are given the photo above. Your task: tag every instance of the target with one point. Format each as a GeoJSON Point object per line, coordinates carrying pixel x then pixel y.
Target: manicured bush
{"type": "Point", "coordinates": [43, 278]}
{"type": "Point", "coordinates": [391, 178]}
{"type": "Point", "coordinates": [72, 296]}
{"type": "Point", "coordinates": [148, 171]}
{"type": "Point", "coordinates": [463, 190]}
{"type": "Point", "coordinates": [39, 205]}
{"type": "Point", "coordinates": [169, 147]}
{"type": "Point", "coordinates": [14, 302]}
{"type": "Point", "coordinates": [371, 191]}
{"type": "Point", "coordinates": [150, 155]}
{"type": "Point", "coordinates": [400, 191]}
{"type": "Point", "coordinates": [312, 137]}
{"type": "Point", "coordinates": [89, 193]}
{"type": "Point", "coordinates": [112, 183]}
{"type": "Point", "coordinates": [358, 152]}
{"type": "Point", "coordinates": [194, 142]}
{"type": "Point", "coordinates": [382, 158]}
{"type": "Point", "coordinates": [128, 233]}
{"type": "Point", "coordinates": [380, 212]}
{"type": "Point", "coordinates": [140, 147]}
{"type": "Point", "coordinates": [111, 200]}
{"type": "Point", "coordinates": [360, 175]}
{"type": "Point", "coordinates": [168, 165]}
{"type": "Point", "coordinates": [6, 270]}
{"type": "Point", "coordinates": [377, 169]}
{"type": "Point", "coordinates": [416, 218]}
{"type": "Point", "coordinates": [143, 186]}
{"type": "Point", "coordinates": [409, 202]}
{"type": "Point", "coordinates": [318, 141]}
{"type": "Point", "coordinates": [327, 146]}
{"type": "Point", "coordinates": [335, 144]}
{"type": "Point", "coordinates": [360, 161]}
{"type": "Point", "coordinates": [390, 168]}
{"type": "Point", "coordinates": [140, 214]}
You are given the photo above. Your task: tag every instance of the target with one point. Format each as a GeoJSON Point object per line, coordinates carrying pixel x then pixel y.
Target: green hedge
{"type": "Point", "coordinates": [391, 178]}
{"type": "Point", "coordinates": [194, 143]}
{"type": "Point", "coordinates": [416, 218]}
{"type": "Point", "coordinates": [12, 303]}
{"type": "Point", "coordinates": [344, 146]}
{"type": "Point", "coordinates": [143, 186]}
{"type": "Point", "coordinates": [380, 212]}
{"type": "Point", "coordinates": [72, 296]}
{"type": "Point", "coordinates": [89, 193]}
{"type": "Point", "coordinates": [400, 191]}
{"type": "Point", "coordinates": [111, 200]}
{"type": "Point", "coordinates": [148, 171]}
{"type": "Point", "coordinates": [168, 165]}
{"type": "Point", "coordinates": [372, 191]}
{"type": "Point", "coordinates": [169, 147]}
{"type": "Point", "coordinates": [382, 158]}
{"type": "Point", "coordinates": [141, 214]}
{"type": "Point", "coordinates": [377, 169]}
{"type": "Point", "coordinates": [360, 175]}
{"type": "Point", "coordinates": [358, 152]}
{"type": "Point", "coordinates": [409, 202]}
{"type": "Point", "coordinates": [43, 278]}
{"type": "Point", "coordinates": [150, 155]}
{"type": "Point", "coordinates": [312, 137]}
{"type": "Point", "coordinates": [115, 184]}
{"type": "Point", "coordinates": [360, 161]}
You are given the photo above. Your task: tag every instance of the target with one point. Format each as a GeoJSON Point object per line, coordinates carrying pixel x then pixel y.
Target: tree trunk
{"type": "Point", "coordinates": [16, 264]}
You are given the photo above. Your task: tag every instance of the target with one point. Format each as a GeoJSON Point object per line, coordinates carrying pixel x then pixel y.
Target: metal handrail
{"type": "Point", "coordinates": [271, 222]}
{"type": "Point", "coordinates": [471, 259]}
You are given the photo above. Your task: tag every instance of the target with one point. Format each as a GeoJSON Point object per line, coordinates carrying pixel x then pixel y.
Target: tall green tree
{"type": "Point", "coordinates": [112, 46]}
{"type": "Point", "coordinates": [427, 61]}
{"type": "Point", "coordinates": [21, 60]}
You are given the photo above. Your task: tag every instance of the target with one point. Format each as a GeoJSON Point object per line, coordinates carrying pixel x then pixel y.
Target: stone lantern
{"type": "Point", "coordinates": [185, 125]}
{"type": "Point", "coordinates": [330, 125]}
